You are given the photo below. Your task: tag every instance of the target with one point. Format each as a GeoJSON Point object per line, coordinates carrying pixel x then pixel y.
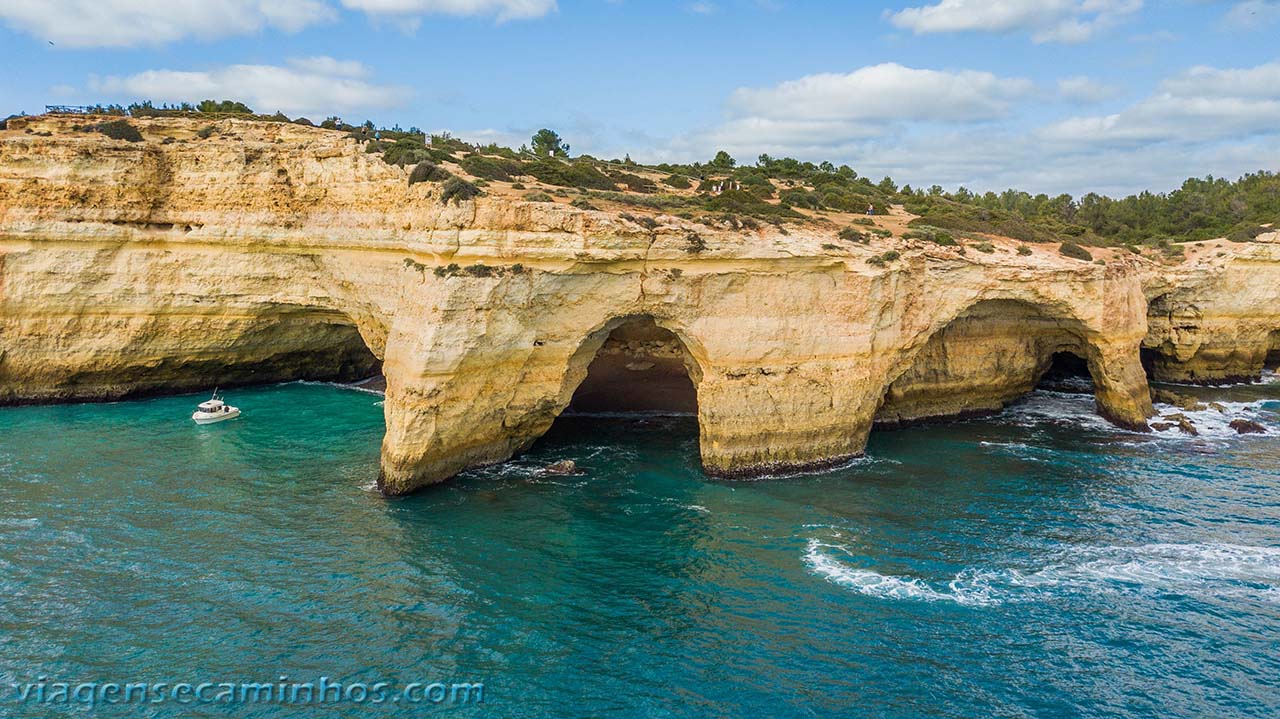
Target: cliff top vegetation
{"type": "Point", "coordinates": [786, 190]}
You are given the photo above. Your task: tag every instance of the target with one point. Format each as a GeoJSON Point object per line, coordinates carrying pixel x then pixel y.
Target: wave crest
{"type": "Point", "coordinates": [1209, 569]}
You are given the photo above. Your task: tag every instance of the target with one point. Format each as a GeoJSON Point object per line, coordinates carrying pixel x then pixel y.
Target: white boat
{"type": "Point", "coordinates": [214, 410]}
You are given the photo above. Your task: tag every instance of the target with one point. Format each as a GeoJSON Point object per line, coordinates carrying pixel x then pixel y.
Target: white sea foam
{"type": "Point", "coordinates": [1268, 376]}
{"type": "Point", "coordinates": [353, 386]}
{"type": "Point", "coordinates": [1057, 407]}
{"type": "Point", "coordinates": [1079, 410]}
{"type": "Point", "coordinates": [1213, 423]}
{"type": "Point", "coordinates": [1205, 569]}
{"type": "Point", "coordinates": [968, 589]}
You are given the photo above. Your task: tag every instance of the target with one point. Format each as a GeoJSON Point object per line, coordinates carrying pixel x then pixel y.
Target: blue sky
{"type": "Point", "coordinates": [1045, 95]}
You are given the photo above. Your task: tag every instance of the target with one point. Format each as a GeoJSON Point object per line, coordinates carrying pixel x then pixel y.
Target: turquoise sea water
{"type": "Point", "coordinates": [1038, 564]}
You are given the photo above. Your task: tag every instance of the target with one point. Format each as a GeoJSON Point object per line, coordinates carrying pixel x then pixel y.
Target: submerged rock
{"type": "Point", "coordinates": [561, 468]}
{"type": "Point", "coordinates": [1247, 426]}
{"type": "Point", "coordinates": [1180, 421]}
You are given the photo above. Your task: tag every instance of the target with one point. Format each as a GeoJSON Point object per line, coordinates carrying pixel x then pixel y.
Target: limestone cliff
{"type": "Point", "coordinates": [272, 251]}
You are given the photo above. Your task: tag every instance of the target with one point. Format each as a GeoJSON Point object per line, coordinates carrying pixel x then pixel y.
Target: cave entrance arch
{"type": "Point", "coordinates": [286, 344]}
{"type": "Point", "coordinates": [1273, 352]}
{"type": "Point", "coordinates": [639, 367]}
{"type": "Point", "coordinates": [990, 355]}
{"type": "Point", "coordinates": [631, 367]}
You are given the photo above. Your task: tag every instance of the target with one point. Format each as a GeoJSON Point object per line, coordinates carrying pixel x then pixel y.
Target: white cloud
{"type": "Point", "coordinates": [1204, 120]}
{"type": "Point", "coordinates": [127, 23]}
{"type": "Point", "coordinates": [884, 92]}
{"type": "Point", "coordinates": [1200, 104]}
{"type": "Point", "coordinates": [503, 10]}
{"type": "Point", "coordinates": [322, 65]}
{"type": "Point", "coordinates": [831, 110]}
{"type": "Point", "coordinates": [1252, 15]}
{"type": "Point", "coordinates": [1086, 90]}
{"type": "Point", "coordinates": [1067, 21]}
{"type": "Point", "coordinates": [316, 86]}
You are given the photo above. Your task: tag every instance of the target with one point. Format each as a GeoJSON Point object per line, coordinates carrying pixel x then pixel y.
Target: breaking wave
{"type": "Point", "coordinates": [1207, 570]}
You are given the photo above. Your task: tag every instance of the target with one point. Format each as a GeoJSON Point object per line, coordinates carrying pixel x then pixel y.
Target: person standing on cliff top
{"type": "Point", "coordinates": [871, 209]}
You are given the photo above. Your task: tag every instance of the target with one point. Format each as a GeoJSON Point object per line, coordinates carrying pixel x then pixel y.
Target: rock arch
{"type": "Point", "coordinates": [997, 350]}
{"type": "Point", "coordinates": [455, 402]}
{"type": "Point", "coordinates": [634, 364]}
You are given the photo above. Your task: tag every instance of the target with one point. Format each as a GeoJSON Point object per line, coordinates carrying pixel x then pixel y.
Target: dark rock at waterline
{"type": "Point", "coordinates": [1180, 421]}
{"type": "Point", "coordinates": [561, 468]}
{"type": "Point", "coordinates": [1161, 426]}
{"type": "Point", "coordinates": [1184, 402]}
{"type": "Point", "coordinates": [1247, 426]}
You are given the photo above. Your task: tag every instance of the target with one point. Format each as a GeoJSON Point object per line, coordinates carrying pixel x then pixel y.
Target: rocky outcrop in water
{"type": "Point", "coordinates": [272, 251]}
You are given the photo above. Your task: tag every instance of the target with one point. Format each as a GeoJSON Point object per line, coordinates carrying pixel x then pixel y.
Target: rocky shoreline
{"type": "Point", "coordinates": [279, 252]}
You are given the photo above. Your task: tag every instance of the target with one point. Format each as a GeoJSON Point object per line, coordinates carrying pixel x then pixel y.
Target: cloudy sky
{"type": "Point", "coordinates": [1046, 95]}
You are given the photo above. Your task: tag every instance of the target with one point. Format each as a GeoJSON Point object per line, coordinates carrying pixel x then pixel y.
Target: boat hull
{"type": "Point", "coordinates": [209, 418]}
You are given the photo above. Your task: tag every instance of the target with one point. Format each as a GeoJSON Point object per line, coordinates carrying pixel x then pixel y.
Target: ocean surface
{"type": "Point", "coordinates": [1036, 564]}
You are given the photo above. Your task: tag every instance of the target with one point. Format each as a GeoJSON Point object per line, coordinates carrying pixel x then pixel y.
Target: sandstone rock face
{"type": "Point", "coordinates": [269, 252]}
{"type": "Point", "coordinates": [1216, 318]}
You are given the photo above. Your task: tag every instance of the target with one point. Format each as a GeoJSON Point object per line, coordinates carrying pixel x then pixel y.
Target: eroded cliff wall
{"type": "Point", "coordinates": [261, 252]}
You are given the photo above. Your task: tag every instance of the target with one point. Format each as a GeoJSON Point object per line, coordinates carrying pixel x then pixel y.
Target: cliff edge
{"type": "Point", "coordinates": [265, 252]}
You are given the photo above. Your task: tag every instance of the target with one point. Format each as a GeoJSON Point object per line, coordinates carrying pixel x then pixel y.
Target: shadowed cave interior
{"type": "Point", "coordinates": [641, 367]}
{"type": "Point", "coordinates": [1067, 372]}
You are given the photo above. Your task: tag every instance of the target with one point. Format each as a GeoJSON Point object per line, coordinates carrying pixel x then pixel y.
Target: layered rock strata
{"type": "Point", "coordinates": [268, 252]}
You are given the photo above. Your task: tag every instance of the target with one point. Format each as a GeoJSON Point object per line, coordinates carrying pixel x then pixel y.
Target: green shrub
{"type": "Point", "coordinates": [226, 106]}
{"type": "Point", "coordinates": [741, 202]}
{"type": "Point", "coordinates": [117, 130]}
{"type": "Point", "coordinates": [849, 234]}
{"type": "Point", "coordinates": [930, 234]}
{"type": "Point", "coordinates": [576, 174]}
{"type": "Point", "coordinates": [1246, 233]}
{"type": "Point", "coordinates": [634, 183]}
{"type": "Point", "coordinates": [954, 216]}
{"type": "Point", "coordinates": [427, 171]}
{"type": "Point", "coordinates": [865, 221]}
{"type": "Point", "coordinates": [517, 186]}
{"type": "Point", "coordinates": [986, 247]}
{"type": "Point", "coordinates": [539, 197]}
{"type": "Point", "coordinates": [881, 232]}
{"type": "Point", "coordinates": [410, 150]}
{"type": "Point", "coordinates": [883, 259]}
{"type": "Point", "coordinates": [583, 204]}
{"type": "Point", "coordinates": [694, 244]}
{"type": "Point", "coordinates": [679, 182]}
{"type": "Point", "coordinates": [1024, 250]}
{"type": "Point", "coordinates": [1075, 252]}
{"type": "Point", "coordinates": [662, 203]}
{"type": "Point", "coordinates": [490, 168]}
{"type": "Point", "coordinates": [458, 190]}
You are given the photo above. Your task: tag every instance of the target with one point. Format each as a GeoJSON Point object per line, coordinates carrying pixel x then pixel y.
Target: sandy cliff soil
{"type": "Point", "coordinates": [269, 252]}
